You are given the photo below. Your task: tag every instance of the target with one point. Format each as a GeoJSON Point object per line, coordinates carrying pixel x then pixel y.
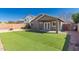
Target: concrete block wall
{"type": "Point", "coordinates": [14, 26]}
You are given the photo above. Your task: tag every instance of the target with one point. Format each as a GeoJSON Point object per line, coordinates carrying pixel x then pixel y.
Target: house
{"type": "Point", "coordinates": [44, 22]}
{"type": "Point", "coordinates": [28, 18]}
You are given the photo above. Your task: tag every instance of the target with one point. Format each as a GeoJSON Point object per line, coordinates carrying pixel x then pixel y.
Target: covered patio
{"type": "Point", "coordinates": [50, 24]}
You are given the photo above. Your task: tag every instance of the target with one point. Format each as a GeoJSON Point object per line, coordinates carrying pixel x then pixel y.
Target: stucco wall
{"type": "Point", "coordinates": [35, 25]}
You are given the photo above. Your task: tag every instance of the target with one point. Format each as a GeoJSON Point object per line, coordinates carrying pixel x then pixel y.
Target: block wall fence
{"type": "Point", "coordinates": [13, 26]}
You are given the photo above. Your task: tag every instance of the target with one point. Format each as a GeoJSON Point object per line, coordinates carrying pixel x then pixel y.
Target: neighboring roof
{"type": "Point", "coordinates": [44, 15]}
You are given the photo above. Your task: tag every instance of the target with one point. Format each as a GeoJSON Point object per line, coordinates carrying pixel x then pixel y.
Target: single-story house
{"type": "Point", "coordinates": [44, 22]}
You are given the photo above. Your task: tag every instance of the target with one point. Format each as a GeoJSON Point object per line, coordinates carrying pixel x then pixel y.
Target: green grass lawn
{"type": "Point", "coordinates": [31, 41]}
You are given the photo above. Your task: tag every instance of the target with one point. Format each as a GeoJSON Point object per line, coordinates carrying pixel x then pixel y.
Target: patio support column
{"type": "Point", "coordinates": [57, 26]}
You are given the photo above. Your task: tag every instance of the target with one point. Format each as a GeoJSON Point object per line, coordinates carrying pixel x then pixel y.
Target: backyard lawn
{"type": "Point", "coordinates": [31, 41]}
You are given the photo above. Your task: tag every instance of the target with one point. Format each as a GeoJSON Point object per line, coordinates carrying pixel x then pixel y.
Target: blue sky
{"type": "Point", "coordinates": [13, 14]}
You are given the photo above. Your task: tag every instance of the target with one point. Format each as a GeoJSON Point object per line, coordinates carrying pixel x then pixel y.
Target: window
{"type": "Point", "coordinates": [41, 25]}
{"type": "Point", "coordinates": [54, 23]}
{"type": "Point", "coordinates": [48, 25]}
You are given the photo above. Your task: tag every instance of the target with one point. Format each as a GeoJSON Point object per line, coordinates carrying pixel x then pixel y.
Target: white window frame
{"type": "Point", "coordinates": [52, 24]}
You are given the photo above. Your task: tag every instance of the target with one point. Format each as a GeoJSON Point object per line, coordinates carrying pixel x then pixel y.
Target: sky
{"type": "Point", "coordinates": [14, 14]}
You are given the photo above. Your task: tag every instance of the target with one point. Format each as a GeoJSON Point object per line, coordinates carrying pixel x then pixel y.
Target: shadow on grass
{"type": "Point", "coordinates": [66, 43]}
{"type": "Point", "coordinates": [42, 32]}
{"type": "Point", "coordinates": [29, 30]}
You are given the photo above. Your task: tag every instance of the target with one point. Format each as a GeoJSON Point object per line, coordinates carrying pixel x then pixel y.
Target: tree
{"type": "Point", "coordinates": [75, 17]}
